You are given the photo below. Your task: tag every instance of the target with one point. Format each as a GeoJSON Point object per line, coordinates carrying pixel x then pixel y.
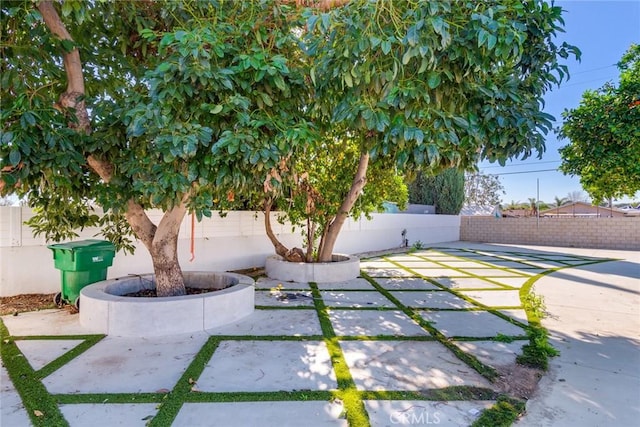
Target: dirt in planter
{"type": "Point", "coordinates": [151, 293]}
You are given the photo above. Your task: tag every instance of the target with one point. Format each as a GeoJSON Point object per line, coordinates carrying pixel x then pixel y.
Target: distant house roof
{"type": "Point", "coordinates": [582, 209]}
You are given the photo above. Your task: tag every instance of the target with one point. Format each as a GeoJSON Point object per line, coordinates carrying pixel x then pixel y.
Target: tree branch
{"type": "Point", "coordinates": [73, 97]}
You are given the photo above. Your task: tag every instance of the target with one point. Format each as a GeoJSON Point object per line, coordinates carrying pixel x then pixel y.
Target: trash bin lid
{"type": "Point", "coordinates": [84, 245]}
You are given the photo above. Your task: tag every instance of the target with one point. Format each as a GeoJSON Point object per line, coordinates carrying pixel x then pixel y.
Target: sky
{"type": "Point", "coordinates": [603, 31]}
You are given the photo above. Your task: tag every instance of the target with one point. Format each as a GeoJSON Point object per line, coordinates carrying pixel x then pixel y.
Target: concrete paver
{"type": "Point", "coordinates": [355, 284]}
{"type": "Point", "coordinates": [470, 324]}
{"type": "Point", "coordinates": [12, 411]}
{"type": "Point", "coordinates": [39, 353]}
{"type": "Point", "coordinates": [495, 298]}
{"type": "Point", "coordinates": [493, 353]}
{"type": "Point", "coordinates": [419, 412]}
{"type": "Point", "coordinates": [406, 365]}
{"type": "Point", "coordinates": [284, 298]}
{"type": "Point", "coordinates": [281, 414]}
{"type": "Point", "coordinates": [373, 322]}
{"type": "Point", "coordinates": [268, 366]}
{"type": "Point", "coordinates": [433, 299]}
{"type": "Point", "coordinates": [274, 322]}
{"type": "Point", "coordinates": [356, 299]}
{"type": "Point", "coordinates": [127, 365]}
{"type": "Point", "coordinates": [410, 283]}
{"type": "Point", "coordinates": [107, 415]}
{"type": "Point", "coordinates": [467, 283]}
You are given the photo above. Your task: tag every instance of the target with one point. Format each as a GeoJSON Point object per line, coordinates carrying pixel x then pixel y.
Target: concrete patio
{"type": "Point", "coordinates": [415, 324]}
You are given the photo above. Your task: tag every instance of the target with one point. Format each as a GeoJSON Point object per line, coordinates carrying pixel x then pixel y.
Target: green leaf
{"type": "Point", "coordinates": [216, 109]}
{"type": "Point", "coordinates": [347, 79]}
{"type": "Point", "coordinates": [7, 137]}
{"type": "Point", "coordinates": [164, 67]}
{"type": "Point", "coordinates": [386, 47]}
{"type": "Point", "coordinates": [491, 41]}
{"type": "Point", "coordinates": [14, 157]}
{"type": "Point", "coordinates": [67, 45]}
{"type": "Point", "coordinates": [433, 80]}
{"type": "Point", "coordinates": [29, 118]}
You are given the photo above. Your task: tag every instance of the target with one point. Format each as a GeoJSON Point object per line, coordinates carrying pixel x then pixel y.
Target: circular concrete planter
{"type": "Point", "coordinates": [343, 268]}
{"type": "Point", "coordinates": [104, 309]}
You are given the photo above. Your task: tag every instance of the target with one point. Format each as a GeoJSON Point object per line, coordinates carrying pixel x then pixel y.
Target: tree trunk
{"type": "Point", "coordinates": [169, 279]}
{"type": "Point", "coordinates": [293, 255]}
{"type": "Point", "coordinates": [161, 241]}
{"type": "Point", "coordinates": [329, 239]}
{"type": "Point", "coordinates": [164, 252]}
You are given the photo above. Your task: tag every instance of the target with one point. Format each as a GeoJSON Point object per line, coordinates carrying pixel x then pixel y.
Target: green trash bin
{"type": "Point", "coordinates": [80, 263]}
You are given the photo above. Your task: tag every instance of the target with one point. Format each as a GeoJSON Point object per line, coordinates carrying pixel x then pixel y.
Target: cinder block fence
{"type": "Point", "coordinates": [604, 233]}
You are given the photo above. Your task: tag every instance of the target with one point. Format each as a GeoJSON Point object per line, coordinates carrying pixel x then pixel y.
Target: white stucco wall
{"type": "Point", "coordinates": [233, 242]}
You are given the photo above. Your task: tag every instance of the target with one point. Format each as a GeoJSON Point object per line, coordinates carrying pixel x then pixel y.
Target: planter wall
{"type": "Point", "coordinates": [104, 310]}
{"type": "Point", "coordinates": [343, 268]}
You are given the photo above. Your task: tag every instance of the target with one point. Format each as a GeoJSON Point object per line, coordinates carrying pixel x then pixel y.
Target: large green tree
{"type": "Point", "coordinates": [604, 148]}
{"type": "Point", "coordinates": [435, 84]}
{"type": "Point", "coordinates": [139, 105]}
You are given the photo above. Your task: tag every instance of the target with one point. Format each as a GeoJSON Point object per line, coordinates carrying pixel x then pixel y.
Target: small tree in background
{"type": "Point", "coordinates": [604, 148]}
{"type": "Point", "coordinates": [309, 189]}
{"type": "Point", "coordinates": [482, 190]}
{"type": "Point", "coordinates": [559, 201]}
{"type": "Point", "coordinates": [445, 191]}
{"type": "Point", "coordinates": [578, 196]}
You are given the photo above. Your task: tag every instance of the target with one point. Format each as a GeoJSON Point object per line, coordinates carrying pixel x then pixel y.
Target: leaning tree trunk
{"type": "Point", "coordinates": [161, 241]}
{"type": "Point", "coordinates": [292, 255]}
{"type": "Point", "coordinates": [333, 230]}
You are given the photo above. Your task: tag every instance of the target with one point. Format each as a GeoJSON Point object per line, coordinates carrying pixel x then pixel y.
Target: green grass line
{"type": "Point", "coordinates": [268, 337]}
{"type": "Point", "coordinates": [104, 398]}
{"type": "Point", "coordinates": [385, 338]}
{"type": "Point", "coordinates": [172, 402]}
{"type": "Point", "coordinates": [347, 392]}
{"type": "Point", "coordinates": [40, 406]}
{"type": "Point", "coordinates": [440, 394]}
{"type": "Point", "coordinates": [262, 396]}
{"type": "Point", "coordinates": [56, 364]}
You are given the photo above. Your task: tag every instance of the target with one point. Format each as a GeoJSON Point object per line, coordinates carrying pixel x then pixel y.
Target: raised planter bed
{"type": "Point", "coordinates": [105, 310]}
{"type": "Point", "coordinates": [343, 268]}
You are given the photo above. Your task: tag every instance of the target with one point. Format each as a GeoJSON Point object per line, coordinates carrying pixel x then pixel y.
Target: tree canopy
{"type": "Point", "coordinates": [181, 105]}
{"type": "Point", "coordinates": [604, 148]}
{"type": "Point", "coordinates": [482, 190]}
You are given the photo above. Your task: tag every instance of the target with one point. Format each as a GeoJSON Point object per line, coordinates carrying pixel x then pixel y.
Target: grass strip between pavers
{"type": "Point", "coordinates": [173, 400]}
{"type": "Point", "coordinates": [40, 406]}
{"type": "Point", "coordinates": [106, 398]}
{"type": "Point", "coordinates": [355, 411]}
{"type": "Point", "coordinates": [54, 365]}
{"type": "Point", "coordinates": [484, 370]}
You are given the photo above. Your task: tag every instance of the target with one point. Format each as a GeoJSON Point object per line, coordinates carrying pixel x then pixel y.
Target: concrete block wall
{"type": "Point", "coordinates": [603, 233]}
{"type": "Point", "coordinates": [235, 241]}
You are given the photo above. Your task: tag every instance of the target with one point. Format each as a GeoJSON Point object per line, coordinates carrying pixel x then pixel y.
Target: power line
{"type": "Point", "coordinates": [593, 69]}
{"type": "Point", "coordinates": [510, 166]}
{"type": "Point", "coordinates": [515, 173]}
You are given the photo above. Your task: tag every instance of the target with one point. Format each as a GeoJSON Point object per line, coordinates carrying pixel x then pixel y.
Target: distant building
{"type": "Point", "coordinates": [582, 209]}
